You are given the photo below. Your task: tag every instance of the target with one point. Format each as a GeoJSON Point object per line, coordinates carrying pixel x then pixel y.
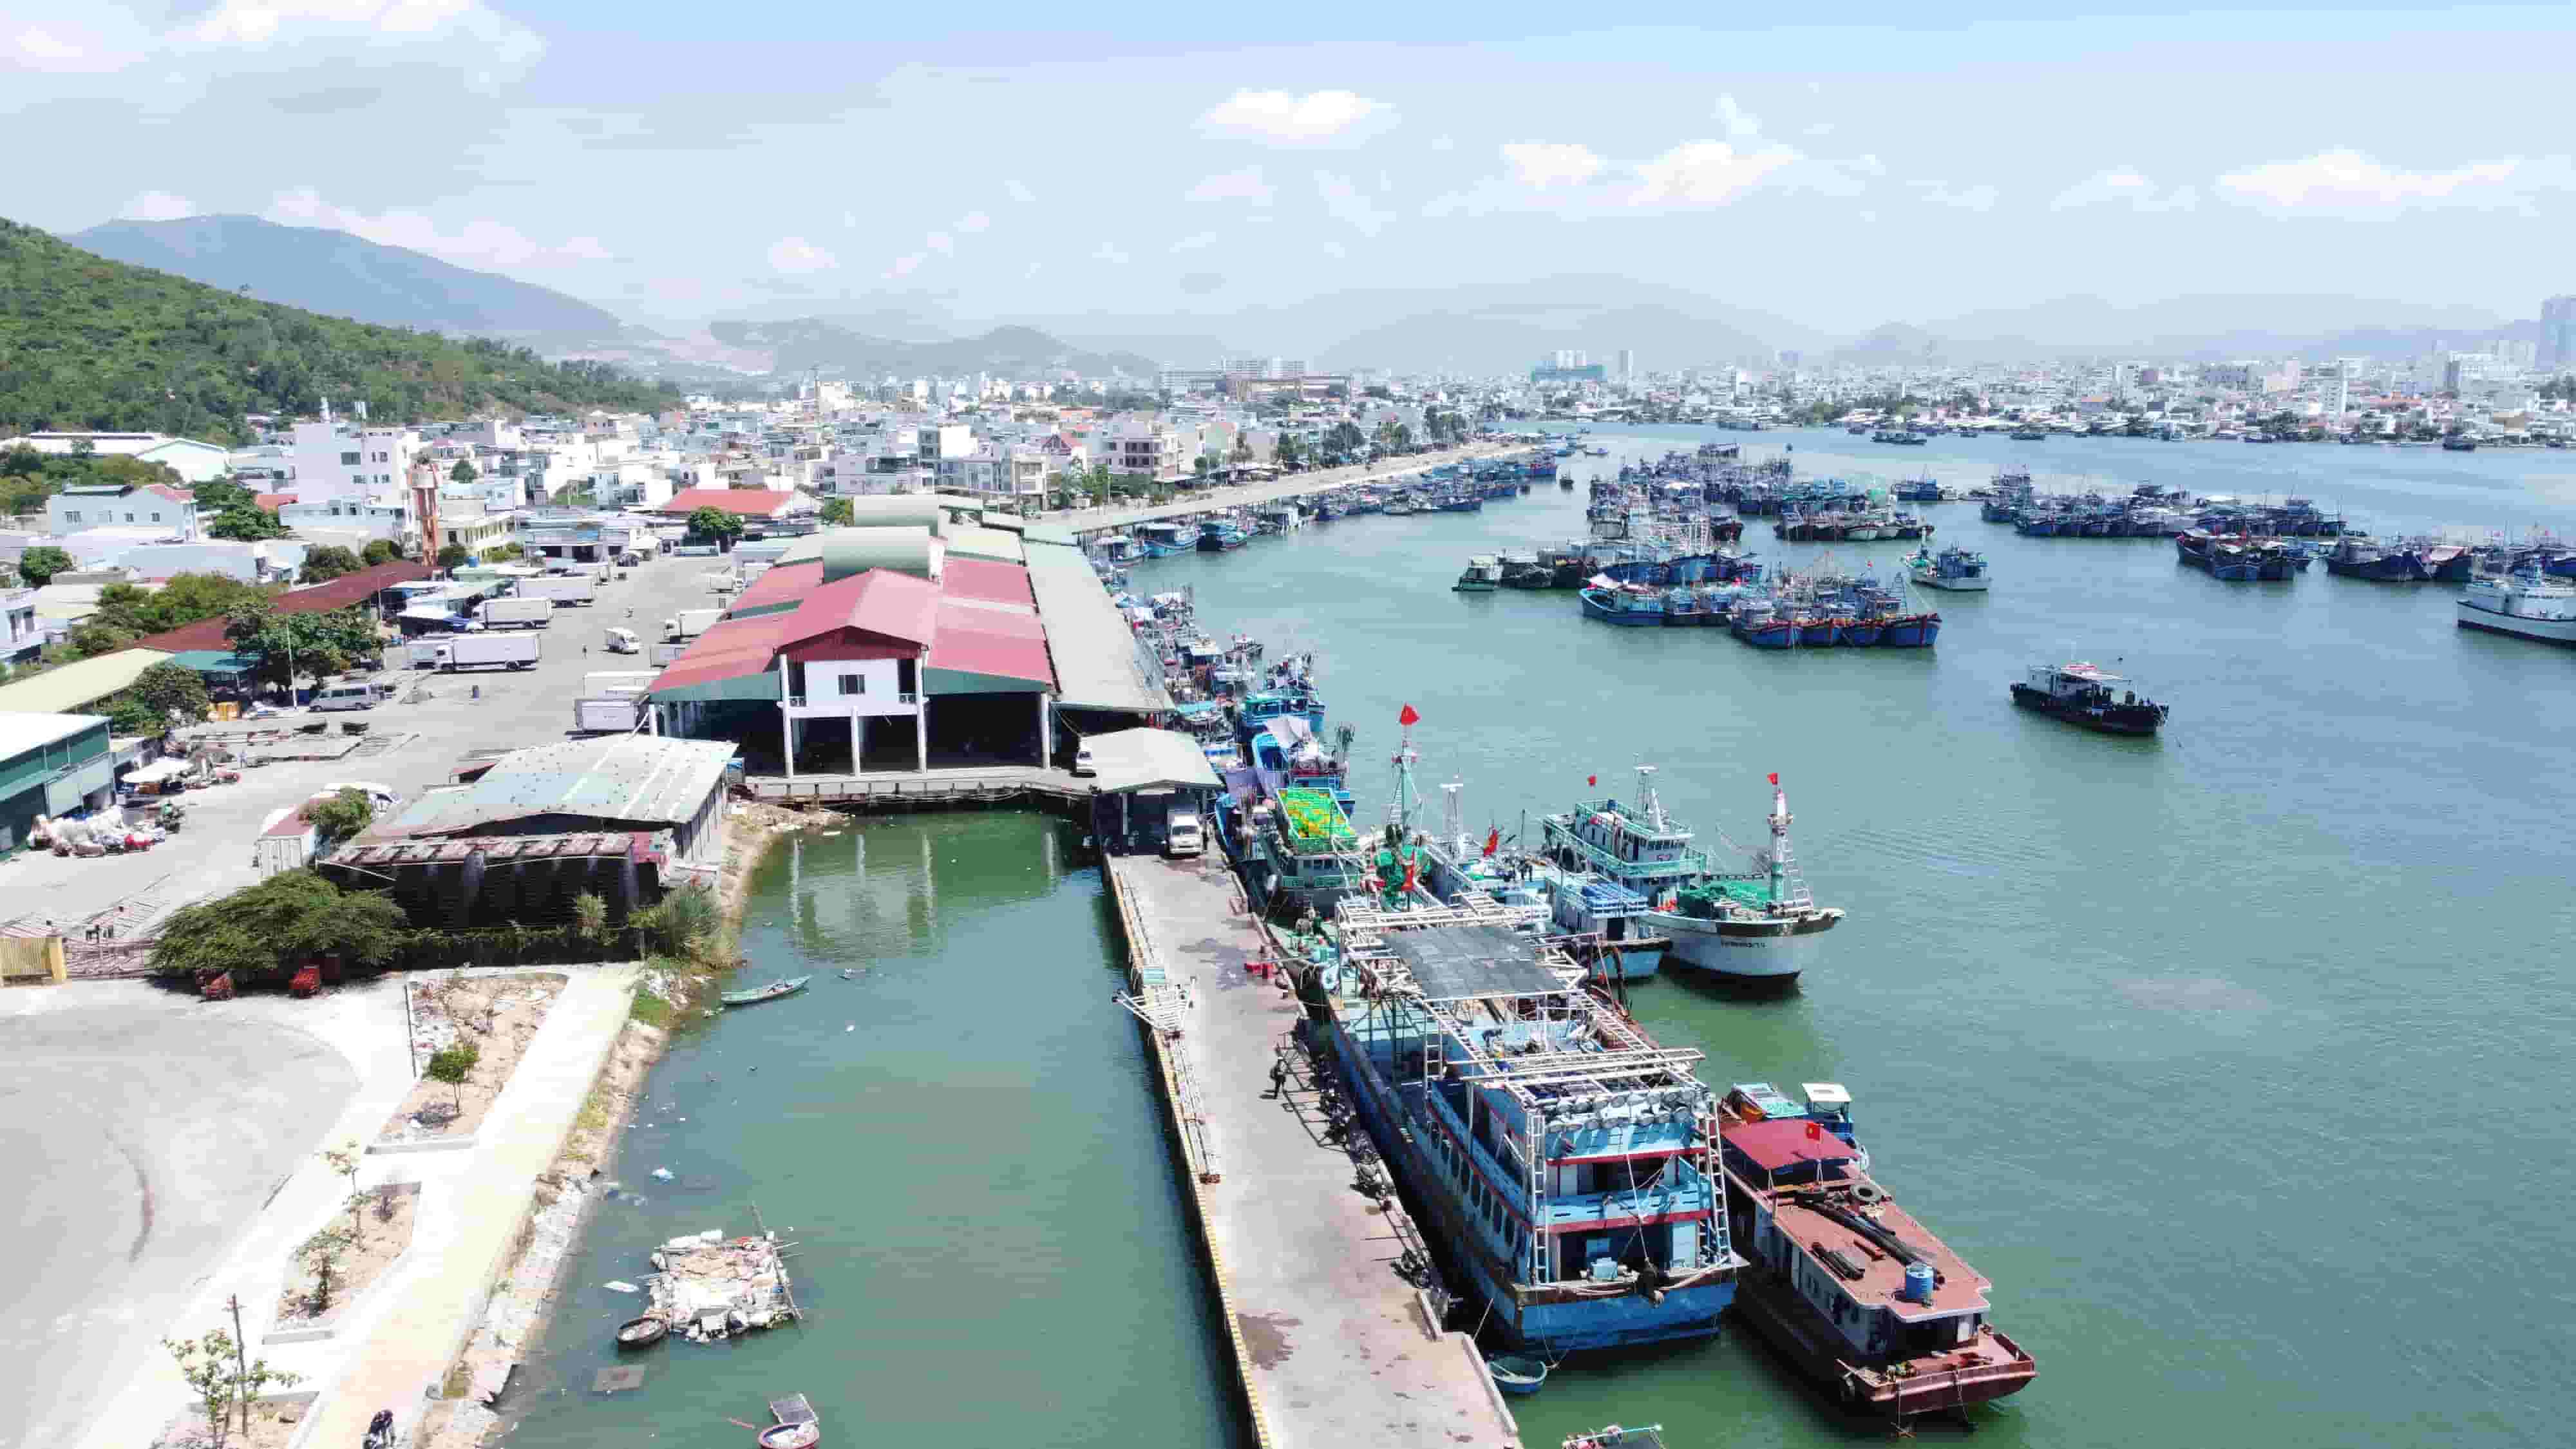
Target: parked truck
{"type": "Point", "coordinates": [608, 714]}
{"type": "Point", "coordinates": [689, 624]}
{"type": "Point", "coordinates": [579, 588]}
{"type": "Point", "coordinates": [480, 651]}
{"type": "Point", "coordinates": [515, 613]}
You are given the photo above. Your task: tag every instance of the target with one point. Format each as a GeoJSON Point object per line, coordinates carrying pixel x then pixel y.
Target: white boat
{"type": "Point", "coordinates": [2524, 607]}
{"type": "Point", "coordinates": [1750, 928]}
{"type": "Point", "coordinates": [1956, 569]}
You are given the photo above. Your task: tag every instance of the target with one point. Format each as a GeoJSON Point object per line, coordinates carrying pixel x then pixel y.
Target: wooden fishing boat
{"type": "Point", "coordinates": [638, 1332]}
{"type": "Point", "coordinates": [798, 1426]}
{"type": "Point", "coordinates": [1517, 1373]}
{"type": "Point", "coordinates": [771, 992]}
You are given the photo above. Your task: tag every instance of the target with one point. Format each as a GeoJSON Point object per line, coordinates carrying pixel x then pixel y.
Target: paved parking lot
{"type": "Point", "coordinates": [412, 743]}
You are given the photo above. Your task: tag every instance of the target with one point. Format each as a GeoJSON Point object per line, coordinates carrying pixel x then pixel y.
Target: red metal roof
{"type": "Point", "coordinates": [748, 502]}
{"type": "Point", "coordinates": [341, 593]}
{"type": "Point", "coordinates": [731, 649]}
{"type": "Point", "coordinates": [1782, 1143]}
{"type": "Point", "coordinates": [780, 585]}
{"type": "Point", "coordinates": [981, 639]}
{"type": "Point", "coordinates": [879, 601]}
{"type": "Point", "coordinates": [987, 579]}
{"type": "Point", "coordinates": [272, 501]}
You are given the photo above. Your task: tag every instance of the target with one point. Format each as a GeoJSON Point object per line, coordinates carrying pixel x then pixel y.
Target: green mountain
{"type": "Point", "coordinates": [797, 344]}
{"type": "Point", "coordinates": [87, 343]}
{"type": "Point", "coordinates": [340, 275]}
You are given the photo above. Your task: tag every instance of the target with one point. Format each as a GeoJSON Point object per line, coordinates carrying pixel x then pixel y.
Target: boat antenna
{"type": "Point", "coordinates": [1400, 810]}
{"type": "Point", "coordinates": [1648, 805]}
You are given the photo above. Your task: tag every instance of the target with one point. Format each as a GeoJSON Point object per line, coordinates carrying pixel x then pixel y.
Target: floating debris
{"type": "Point", "coordinates": [662, 1173]}
{"type": "Point", "coordinates": [620, 1285]}
{"type": "Point", "coordinates": [709, 1288]}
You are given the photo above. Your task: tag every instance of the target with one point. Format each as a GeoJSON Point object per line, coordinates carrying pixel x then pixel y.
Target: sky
{"type": "Point", "coordinates": [1165, 163]}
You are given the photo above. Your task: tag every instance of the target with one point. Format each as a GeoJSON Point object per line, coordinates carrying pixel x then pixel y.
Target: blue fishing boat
{"type": "Point", "coordinates": [1815, 630]}
{"type": "Point", "coordinates": [1295, 848]}
{"type": "Point", "coordinates": [1222, 535]}
{"type": "Point", "coordinates": [1625, 604]}
{"type": "Point", "coordinates": [1560, 1157]}
{"type": "Point", "coordinates": [1467, 501]}
{"type": "Point", "coordinates": [1162, 540]}
{"type": "Point", "coordinates": [1262, 706]}
{"type": "Point", "coordinates": [1956, 569]}
{"type": "Point", "coordinates": [1758, 622]}
{"type": "Point", "coordinates": [1911, 631]}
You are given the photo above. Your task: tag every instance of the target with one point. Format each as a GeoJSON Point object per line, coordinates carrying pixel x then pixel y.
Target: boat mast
{"type": "Point", "coordinates": [1408, 800]}
{"type": "Point", "coordinates": [1453, 821]}
{"type": "Point", "coordinates": [1787, 886]}
{"type": "Point", "coordinates": [1649, 808]}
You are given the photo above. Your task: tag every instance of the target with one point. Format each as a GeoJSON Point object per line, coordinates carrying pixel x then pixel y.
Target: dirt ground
{"type": "Point", "coordinates": [386, 1226]}
{"type": "Point", "coordinates": [499, 1015]}
{"type": "Point", "coordinates": [273, 1423]}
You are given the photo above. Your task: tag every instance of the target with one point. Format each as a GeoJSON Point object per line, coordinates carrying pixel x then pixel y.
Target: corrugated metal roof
{"type": "Point", "coordinates": [214, 661]}
{"type": "Point", "coordinates": [743, 502]}
{"type": "Point", "coordinates": [64, 688]}
{"type": "Point", "coordinates": [1149, 760]}
{"type": "Point", "coordinates": [783, 587]}
{"type": "Point", "coordinates": [991, 640]}
{"type": "Point", "coordinates": [345, 592]}
{"type": "Point", "coordinates": [898, 510]}
{"type": "Point", "coordinates": [986, 543]}
{"type": "Point", "coordinates": [1092, 645]}
{"type": "Point", "coordinates": [896, 605]}
{"type": "Point", "coordinates": [978, 578]}
{"type": "Point", "coordinates": [628, 779]}
{"type": "Point", "coordinates": [22, 733]}
{"type": "Point", "coordinates": [732, 649]}
{"type": "Point", "coordinates": [907, 549]}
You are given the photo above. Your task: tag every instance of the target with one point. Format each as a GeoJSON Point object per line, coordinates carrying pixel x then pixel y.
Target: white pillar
{"type": "Point", "coordinates": [787, 737]}
{"type": "Point", "coordinates": [858, 743]}
{"type": "Point", "coordinates": [921, 731]}
{"type": "Point", "coordinates": [1046, 730]}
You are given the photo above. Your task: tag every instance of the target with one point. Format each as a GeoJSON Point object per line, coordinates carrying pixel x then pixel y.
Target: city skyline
{"type": "Point", "coordinates": [1884, 169]}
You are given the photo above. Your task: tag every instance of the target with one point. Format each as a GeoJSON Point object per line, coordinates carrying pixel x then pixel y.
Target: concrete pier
{"type": "Point", "coordinates": [1294, 485]}
{"type": "Point", "coordinates": [1332, 1347]}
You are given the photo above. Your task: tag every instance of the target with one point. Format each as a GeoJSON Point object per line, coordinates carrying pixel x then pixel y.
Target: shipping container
{"type": "Point", "coordinates": [515, 613]}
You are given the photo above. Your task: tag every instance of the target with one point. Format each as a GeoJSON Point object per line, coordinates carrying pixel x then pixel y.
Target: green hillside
{"type": "Point", "coordinates": [86, 343]}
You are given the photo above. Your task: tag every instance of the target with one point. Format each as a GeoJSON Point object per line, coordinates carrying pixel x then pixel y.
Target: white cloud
{"type": "Point", "coordinates": [156, 206]}
{"type": "Point", "coordinates": [1018, 191]}
{"type": "Point", "coordinates": [2346, 180]}
{"type": "Point", "coordinates": [1821, 128]}
{"type": "Point", "coordinates": [1343, 199]}
{"type": "Point", "coordinates": [1740, 123]}
{"type": "Point", "coordinates": [1109, 252]}
{"type": "Point", "coordinates": [849, 218]}
{"type": "Point", "coordinates": [1195, 243]}
{"type": "Point", "coordinates": [973, 222]}
{"type": "Point", "coordinates": [1281, 118]}
{"type": "Point", "coordinates": [1247, 184]}
{"type": "Point", "coordinates": [1542, 164]}
{"type": "Point", "coordinates": [260, 23]}
{"type": "Point", "coordinates": [1444, 143]}
{"type": "Point", "coordinates": [480, 242]}
{"type": "Point", "coordinates": [905, 265]}
{"type": "Point", "coordinates": [1967, 198]}
{"type": "Point", "coordinates": [231, 41]}
{"type": "Point", "coordinates": [2126, 186]}
{"type": "Point", "coordinates": [941, 242]}
{"type": "Point", "coordinates": [1336, 250]}
{"type": "Point", "coordinates": [796, 256]}
{"type": "Point", "coordinates": [1705, 173]}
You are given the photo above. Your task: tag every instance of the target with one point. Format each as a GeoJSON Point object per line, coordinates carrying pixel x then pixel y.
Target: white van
{"type": "Point", "coordinates": [1182, 834]}
{"type": "Point", "coordinates": [1082, 761]}
{"type": "Point", "coordinates": [348, 696]}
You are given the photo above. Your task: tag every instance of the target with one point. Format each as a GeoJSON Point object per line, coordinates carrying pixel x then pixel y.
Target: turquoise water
{"type": "Point", "coordinates": [2235, 1057]}
{"type": "Point", "coordinates": [964, 1140]}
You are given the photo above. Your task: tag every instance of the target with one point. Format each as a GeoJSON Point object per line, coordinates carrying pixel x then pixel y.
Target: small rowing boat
{"type": "Point", "coordinates": [771, 992]}
{"type": "Point", "coordinates": [639, 1332]}
{"type": "Point", "coordinates": [1517, 1373]}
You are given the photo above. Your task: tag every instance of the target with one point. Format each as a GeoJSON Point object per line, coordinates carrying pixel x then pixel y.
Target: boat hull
{"type": "Point", "coordinates": [2547, 631]}
{"type": "Point", "coordinates": [1792, 1325]}
{"type": "Point", "coordinates": [2118, 719]}
{"type": "Point", "coordinates": [1954, 585]}
{"type": "Point", "coordinates": [1742, 951]}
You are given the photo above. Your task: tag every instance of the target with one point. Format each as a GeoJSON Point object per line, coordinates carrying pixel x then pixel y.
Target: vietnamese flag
{"type": "Point", "coordinates": [1775, 777]}
{"type": "Point", "coordinates": [1493, 840]}
{"type": "Point", "coordinates": [1408, 718]}
{"type": "Point", "coordinates": [1590, 780]}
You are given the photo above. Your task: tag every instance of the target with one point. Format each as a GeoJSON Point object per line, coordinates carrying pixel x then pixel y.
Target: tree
{"type": "Point", "coordinates": [222, 1381]}
{"type": "Point", "coordinates": [321, 1253]}
{"type": "Point", "coordinates": [1289, 452]}
{"type": "Point", "coordinates": [453, 1065]}
{"type": "Point", "coordinates": [343, 815]}
{"type": "Point", "coordinates": [326, 562]}
{"type": "Point", "coordinates": [711, 522]}
{"type": "Point", "coordinates": [463, 472]}
{"type": "Point", "coordinates": [452, 556]}
{"type": "Point", "coordinates": [838, 513]}
{"type": "Point", "coordinates": [246, 525]}
{"type": "Point", "coordinates": [1242, 452]}
{"type": "Point", "coordinates": [38, 565]}
{"type": "Point", "coordinates": [1202, 465]}
{"type": "Point", "coordinates": [257, 931]}
{"type": "Point", "coordinates": [169, 690]}
{"type": "Point", "coordinates": [378, 551]}
{"type": "Point", "coordinates": [295, 646]}
{"type": "Point", "coordinates": [348, 1160]}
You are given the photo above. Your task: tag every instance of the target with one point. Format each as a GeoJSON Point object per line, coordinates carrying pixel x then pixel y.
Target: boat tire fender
{"type": "Point", "coordinates": [1868, 1194]}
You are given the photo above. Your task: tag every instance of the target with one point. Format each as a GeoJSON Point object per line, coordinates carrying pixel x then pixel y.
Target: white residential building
{"type": "Point", "coordinates": [156, 508]}
{"type": "Point", "coordinates": [193, 461]}
{"type": "Point", "coordinates": [338, 461]}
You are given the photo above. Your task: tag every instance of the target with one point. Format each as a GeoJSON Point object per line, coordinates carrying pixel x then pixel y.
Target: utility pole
{"type": "Point", "coordinates": [241, 1367]}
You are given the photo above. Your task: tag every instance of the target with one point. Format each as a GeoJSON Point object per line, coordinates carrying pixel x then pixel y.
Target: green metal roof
{"type": "Point", "coordinates": [23, 734]}
{"type": "Point", "coordinates": [64, 688]}
{"type": "Point", "coordinates": [1091, 643]}
{"type": "Point", "coordinates": [214, 661]}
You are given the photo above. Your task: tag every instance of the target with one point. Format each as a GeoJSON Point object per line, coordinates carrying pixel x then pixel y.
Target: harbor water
{"type": "Point", "coordinates": [2234, 1057]}
{"type": "Point", "coordinates": [964, 1140]}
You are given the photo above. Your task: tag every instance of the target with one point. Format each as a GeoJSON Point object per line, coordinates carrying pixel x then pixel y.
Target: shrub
{"type": "Point", "coordinates": [453, 1065]}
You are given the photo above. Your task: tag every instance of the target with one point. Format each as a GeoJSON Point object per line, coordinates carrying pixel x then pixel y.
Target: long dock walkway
{"type": "Point", "coordinates": [910, 789]}
{"type": "Point", "coordinates": [1334, 1349]}
{"type": "Point", "coordinates": [1098, 520]}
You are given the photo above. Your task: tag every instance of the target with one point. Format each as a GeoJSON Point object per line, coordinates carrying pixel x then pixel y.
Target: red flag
{"type": "Point", "coordinates": [1815, 1133]}
{"type": "Point", "coordinates": [1408, 717]}
{"type": "Point", "coordinates": [1775, 777]}
{"type": "Point", "coordinates": [1592, 779]}
{"type": "Point", "coordinates": [1493, 840]}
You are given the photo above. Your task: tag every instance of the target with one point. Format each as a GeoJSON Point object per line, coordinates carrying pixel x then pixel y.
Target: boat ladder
{"type": "Point", "coordinates": [1160, 1007]}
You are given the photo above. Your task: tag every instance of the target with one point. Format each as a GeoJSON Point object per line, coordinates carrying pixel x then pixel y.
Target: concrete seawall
{"type": "Point", "coordinates": [1331, 1347]}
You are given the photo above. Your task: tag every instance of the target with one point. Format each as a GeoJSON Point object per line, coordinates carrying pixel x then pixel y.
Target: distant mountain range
{"type": "Point", "coordinates": [2198, 327]}
{"type": "Point", "coordinates": [340, 275]}
{"type": "Point", "coordinates": [797, 344]}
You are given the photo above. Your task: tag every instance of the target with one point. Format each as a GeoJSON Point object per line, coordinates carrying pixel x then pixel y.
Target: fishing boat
{"type": "Point", "coordinates": [1756, 926]}
{"type": "Point", "coordinates": [1956, 569]}
{"type": "Point", "coordinates": [771, 992]}
{"type": "Point", "coordinates": [2029, 435]}
{"type": "Point", "coordinates": [1483, 575]}
{"type": "Point", "coordinates": [1560, 1157]}
{"type": "Point", "coordinates": [1518, 1373]}
{"type": "Point", "coordinates": [2525, 605]}
{"type": "Point", "coordinates": [1625, 604]}
{"type": "Point", "coordinates": [1299, 852]}
{"type": "Point", "coordinates": [2363, 558]}
{"type": "Point", "coordinates": [1612, 1436]}
{"type": "Point", "coordinates": [1635, 846]}
{"type": "Point", "coordinates": [2083, 694]}
{"type": "Point", "coordinates": [1844, 1281]}
{"type": "Point", "coordinates": [1758, 622]}
{"type": "Point", "coordinates": [642, 1332]}
{"type": "Point", "coordinates": [1161, 540]}
{"type": "Point", "coordinates": [1222, 535]}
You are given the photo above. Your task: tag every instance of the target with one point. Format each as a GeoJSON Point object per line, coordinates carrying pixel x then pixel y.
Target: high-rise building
{"type": "Point", "coordinates": [1566, 359]}
{"type": "Point", "coordinates": [2557, 350]}
{"type": "Point", "coordinates": [1627, 364]}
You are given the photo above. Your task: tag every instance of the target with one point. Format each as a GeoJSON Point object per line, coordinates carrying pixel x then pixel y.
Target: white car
{"type": "Point", "coordinates": [1082, 761]}
{"type": "Point", "coordinates": [1182, 835]}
